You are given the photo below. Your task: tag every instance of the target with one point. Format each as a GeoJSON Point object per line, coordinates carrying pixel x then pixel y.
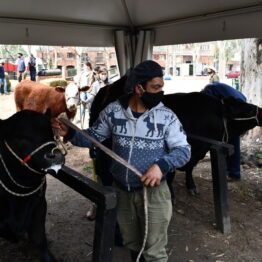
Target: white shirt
{"type": "Point", "coordinates": [97, 85]}
{"type": "Point", "coordinates": [85, 78]}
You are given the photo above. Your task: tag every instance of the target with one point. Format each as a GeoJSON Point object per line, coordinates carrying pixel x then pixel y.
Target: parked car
{"type": "Point", "coordinates": [49, 72]}
{"type": "Point", "coordinates": [233, 74]}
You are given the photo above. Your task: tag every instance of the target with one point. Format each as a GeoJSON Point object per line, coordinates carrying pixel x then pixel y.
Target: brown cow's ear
{"type": "Point", "coordinates": [48, 112]}
{"type": "Point", "coordinates": [85, 88]}
{"type": "Point", "coordinates": [60, 89]}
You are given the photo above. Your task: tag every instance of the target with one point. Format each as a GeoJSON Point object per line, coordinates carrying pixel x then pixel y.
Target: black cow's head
{"type": "Point", "coordinates": [242, 116]}
{"type": "Point", "coordinates": [27, 137]}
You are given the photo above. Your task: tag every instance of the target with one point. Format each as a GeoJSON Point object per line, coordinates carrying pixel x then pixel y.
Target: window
{"type": "Point", "coordinates": [204, 47]}
{"type": "Point", "coordinates": [112, 55]}
{"type": "Point", "coordinates": [99, 58]}
{"type": "Point", "coordinates": [85, 58]}
{"type": "Point", "coordinates": [70, 55]}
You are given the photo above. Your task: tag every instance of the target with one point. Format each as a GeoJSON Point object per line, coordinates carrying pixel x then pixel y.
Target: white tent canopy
{"type": "Point", "coordinates": [92, 22]}
{"type": "Point", "coordinates": [133, 26]}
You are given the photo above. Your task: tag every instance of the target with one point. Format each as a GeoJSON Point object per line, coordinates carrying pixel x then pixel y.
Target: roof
{"type": "Point", "coordinates": [92, 22]}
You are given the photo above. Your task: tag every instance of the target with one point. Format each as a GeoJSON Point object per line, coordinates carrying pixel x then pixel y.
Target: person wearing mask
{"type": "Point", "coordinates": [85, 78]}
{"type": "Point", "coordinates": [32, 67]}
{"type": "Point", "coordinates": [221, 90]}
{"type": "Point", "coordinates": [3, 80]}
{"type": "Point", "coordinates": [21, 68]}
{"type": "Point", "coordinates": [213, 76]}
{"type": "Point", "coordinates": [96, 72]}
{"type": "Point", "coordinates": [98, 84]}
{"type": "Point", "coordinates": [141, 112]}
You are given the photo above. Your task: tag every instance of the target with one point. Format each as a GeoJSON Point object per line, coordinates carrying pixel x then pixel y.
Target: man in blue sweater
{"type": "Point", "coordinates": [221, 91]}
{"type": "Point", "coordinates": [21, 67]}
{"type": "Point", "coordinates": [150, 137]}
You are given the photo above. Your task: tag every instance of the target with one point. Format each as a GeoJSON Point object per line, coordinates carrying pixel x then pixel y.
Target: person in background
{"type": "Point", "coordinates": [96, 72]}
{"type": "Point", "coordinates": [85, 78]}
{"type": "Point", "coordinates": [21, 67]}
{"type": "Point", "coordinates": [213, 76]}
{"type": "Point", "coordinates": [32, 67]}
{"type": "Point", "coordinates": [3, 80]}
{"type": "Point", "coordinates": [98, 84]}
{"type": "Point", "coordinates": [140, 112]}
{"type": "Point", "coordinates": [221, 90]}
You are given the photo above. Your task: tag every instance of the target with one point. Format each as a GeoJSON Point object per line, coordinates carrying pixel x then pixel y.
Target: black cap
{"type": "Point", "coordinates": [142, 73]}
{"type": "Point", "coordinates": [96, 68]}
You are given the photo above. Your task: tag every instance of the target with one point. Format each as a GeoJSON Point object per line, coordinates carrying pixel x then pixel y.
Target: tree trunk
{"type": "Point", "coordinates": [251, 75]}
{"type": "Point", "coordinates": [222, 59]}
{"type": "Point", "coordinates": [78, 52]}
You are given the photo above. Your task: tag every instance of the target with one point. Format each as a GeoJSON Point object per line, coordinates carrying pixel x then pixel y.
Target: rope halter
{"type": "Point", "coordinates": [249, 118]}
{"type": "Point", "coordinates": [29, 156]}
{"type": "Point", "coordinates": [24, 163]}
{"type": "Point", "coordinates": [225, 134]}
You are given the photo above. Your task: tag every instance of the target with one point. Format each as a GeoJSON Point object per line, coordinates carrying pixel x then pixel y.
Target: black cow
{"type": "Point", "coordinates": [200, 114]}
{"type": "Point", "coordinates": [27, 151]}
{"type": "Point", "coordinates": [209, 117]}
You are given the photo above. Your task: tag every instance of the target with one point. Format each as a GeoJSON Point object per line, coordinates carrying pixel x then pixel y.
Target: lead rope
{"type": "Point", "coordinates": [225, 134]}
{"type": "Point", "coordinates": [58, 142]}
{"type": "Point", "coordinates": [84, 114]}
{"type": "Point", "coordinates": [23, 162]}
{"type": "Point", "coordinates": [249, 118]}
{"type": "Point", "coordinates": [7, 171]}
{"type": "Point", "coordinates": [22, 195]}
{"type": "Point", "coordinates": [14, 193]}
{"type": "Point", "coordinates": [124, 163]}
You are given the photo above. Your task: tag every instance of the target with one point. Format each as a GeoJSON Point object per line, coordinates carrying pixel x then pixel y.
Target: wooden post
{"type": "Point", "coordinates": [219, 151]}
{"type": "Point", "coordinates": [219, 175]}
{"type": "Point", "coordinates": [105, 199]}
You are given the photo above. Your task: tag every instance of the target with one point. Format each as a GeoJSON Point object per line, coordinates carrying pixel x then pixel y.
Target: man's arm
{"type": "Point", "coordinates": [101, 130]}
{"type": "Point", "coordinates": [178, 155]}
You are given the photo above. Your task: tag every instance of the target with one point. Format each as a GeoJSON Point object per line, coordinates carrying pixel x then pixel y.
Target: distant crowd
{"type": "Point", "coordinates": [23, 66]}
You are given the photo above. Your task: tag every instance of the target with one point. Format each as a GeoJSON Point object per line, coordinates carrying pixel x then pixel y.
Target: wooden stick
{"type": "Point", "coordinates": [102, 147]}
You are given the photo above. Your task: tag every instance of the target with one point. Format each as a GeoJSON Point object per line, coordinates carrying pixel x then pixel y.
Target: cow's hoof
{"type": "Point", "coordinates": [193, 191]}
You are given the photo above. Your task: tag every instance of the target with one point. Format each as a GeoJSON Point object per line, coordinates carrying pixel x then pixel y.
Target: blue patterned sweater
{"type": "Point", "coordinates": [157, 136]}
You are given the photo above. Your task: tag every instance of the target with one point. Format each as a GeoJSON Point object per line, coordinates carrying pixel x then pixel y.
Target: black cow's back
{"type": "Point", "coordinates": [199, 114]}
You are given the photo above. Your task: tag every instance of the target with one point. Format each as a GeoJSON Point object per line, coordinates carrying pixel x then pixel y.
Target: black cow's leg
{"type": "Point", "coordinates": [37, 233]}
{"type": "Point", "coordinates": [170, 178]}
{"type": "Point", "coordinates": [190, 184]}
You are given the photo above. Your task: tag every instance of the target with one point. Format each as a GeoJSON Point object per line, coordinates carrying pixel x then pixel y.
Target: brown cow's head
{"type": "Point", "coordinates": [72, 95]}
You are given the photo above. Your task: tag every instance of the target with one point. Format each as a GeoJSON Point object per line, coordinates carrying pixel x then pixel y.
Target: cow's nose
{"type": "Point", "coordinates": [72, 107]}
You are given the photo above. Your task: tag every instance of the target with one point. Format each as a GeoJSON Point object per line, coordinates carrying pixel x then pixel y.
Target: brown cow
{"type": "Point", "coordinates": [39, 97]}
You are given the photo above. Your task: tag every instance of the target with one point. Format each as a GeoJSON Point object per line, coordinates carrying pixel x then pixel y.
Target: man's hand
{"type": "Point", "coordinates": [152, 177]}
{"type": "Point", "coordinates": [59, 127]}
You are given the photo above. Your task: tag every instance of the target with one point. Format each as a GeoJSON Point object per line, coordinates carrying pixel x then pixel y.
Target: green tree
{"type": "Point", "coordinates": [9, 52]}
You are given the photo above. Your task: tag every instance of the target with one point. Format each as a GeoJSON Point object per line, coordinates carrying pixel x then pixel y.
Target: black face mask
{"type": "Point", "coordinates": [151, 100]}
